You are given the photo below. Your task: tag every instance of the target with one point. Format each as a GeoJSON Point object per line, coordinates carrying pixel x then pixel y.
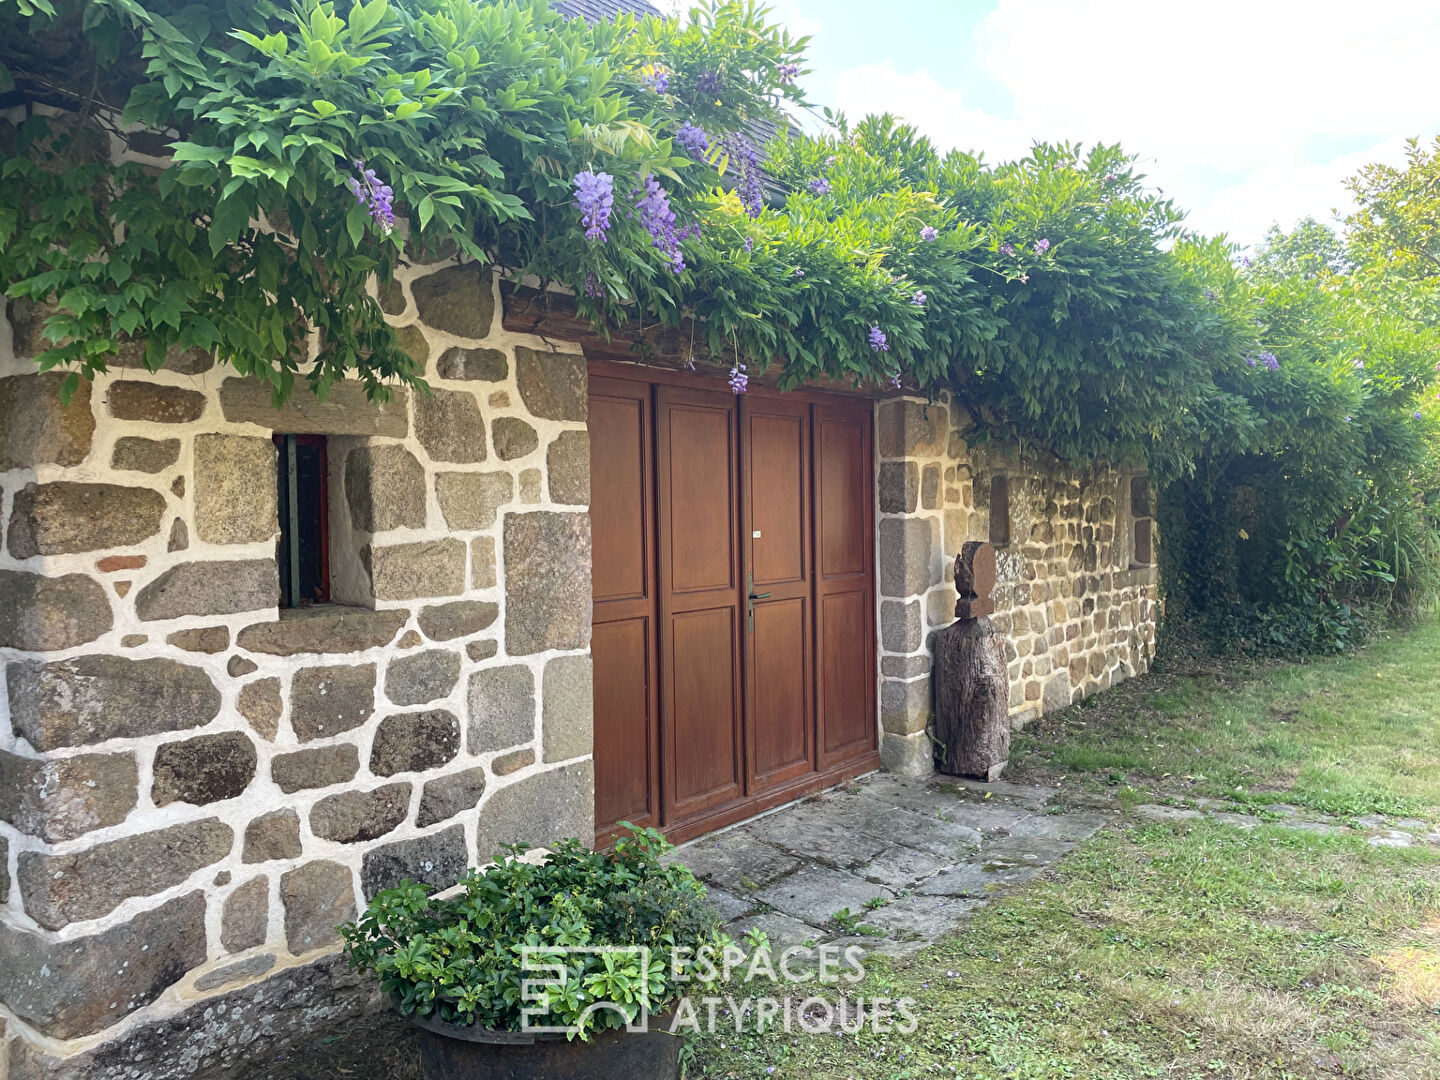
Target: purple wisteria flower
{"type": "Point", "coordinates": [742, 151]}
{"type": "Point", "coordinates": [894, 380]}
{"type": "Point", "coordinates": [376, 197]}
{"type": "Point", "coordinates": [692, 139]}
{"type": "Point", "coordinates": [659, 221]}
{"type": "Point", "coordinates": [929, 234]}
{"type": "Point", "coordinates": [819, 186]}
{"type": "Point", "coordinates": [788, 73]}
{"type": "Point", "coordinates": [595, 196]}
{"type": "Point", "coordinates": [749, 245]}
{"type": "Point", "coordinates": [739, 381]}
{"type": "Point", "coordinates": [830, 161]}
{"type": "Point", "coordinates": [657, 79]}
{"type": "Point", "coordinates": [593, 288]}
{"type": "Point", "coordinates": [799, 272]}
{"type": "Point", "coordinates": [877, 340]}
{"type": "Point", "coordinates": [1252, 359]}
{"type": "Point", "coordinates": [1210, 295]}
{"type": "Point", "coordinates": [1110, 178]}
{"type": "Point", "coordinates": [1359, 365]}
{"type": "Point", "coordinates": [1416, 414]}
{"type": "Point", "coordinates": [1007, 249]}
{"type": "Point", "coordinates": [708, 82]}
{"type": "Point", "coordinates": [919, 299]}
{"type": "Point", "coordinates": [1348, 419]}
{"type": "Point", "coordinates": [689, 362]}
{"type": "Point", "coordinates": [1269, 360]}
{"type": "Point", "coordinates": [1041, 246]}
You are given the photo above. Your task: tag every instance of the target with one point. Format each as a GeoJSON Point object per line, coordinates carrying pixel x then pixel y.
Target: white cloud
{"type": "Point", "coordinates": [1233, 87]}
{"type": "Point", "coordinates": [917, 98]}
{"type": "Point", "coordinates": [1283, 193]}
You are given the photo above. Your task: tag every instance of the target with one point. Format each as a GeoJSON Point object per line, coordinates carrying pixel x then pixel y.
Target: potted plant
{"type": "Point", "coordinates": [562, 968]}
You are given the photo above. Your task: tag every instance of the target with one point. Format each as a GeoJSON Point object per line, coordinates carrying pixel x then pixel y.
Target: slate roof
{"type": "Point", "coordinates": [595, 10]}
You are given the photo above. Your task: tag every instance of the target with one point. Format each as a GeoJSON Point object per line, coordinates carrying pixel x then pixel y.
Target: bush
{"type": "Point", "coordinates": [459, 959]}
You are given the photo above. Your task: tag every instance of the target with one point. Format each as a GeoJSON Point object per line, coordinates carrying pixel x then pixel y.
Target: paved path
{"type": "Point", "coordinates": [892, 862]}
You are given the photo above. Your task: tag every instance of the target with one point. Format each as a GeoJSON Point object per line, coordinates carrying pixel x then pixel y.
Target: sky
{"type": "Point", "coordinates": [1246, 113]}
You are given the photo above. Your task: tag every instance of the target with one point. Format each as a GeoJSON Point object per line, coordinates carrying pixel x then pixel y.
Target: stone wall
{"type": "Point", "coordinates": [196, 787]}
{"type": "Point", "coordinates": [1077, 612]}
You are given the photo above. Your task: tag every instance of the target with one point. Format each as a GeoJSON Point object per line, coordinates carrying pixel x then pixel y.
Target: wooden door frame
{"type": "Point", "coordinates": [830, 775]}
{"type": "Point", "coordinates": [645, 606]}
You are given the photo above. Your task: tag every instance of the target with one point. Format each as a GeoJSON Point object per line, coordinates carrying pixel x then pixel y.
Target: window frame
{"type": "Point", "coordinates": [287, 547]}
{"type": "Point", "coordinates": [999, 482]}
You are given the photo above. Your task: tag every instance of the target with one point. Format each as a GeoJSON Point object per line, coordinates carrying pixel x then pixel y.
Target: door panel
{"type": "Point", "coordinates": [619, 491]}
{"type": "Point", "coordinates": [623, 642]}
{"type": "Point", "coordinates": [844, 675]}
{"type": "Point", "coordinates": [701, 609]}
{"type": "Point", "coordinates": [775, 453]}
{"type": "Point", "coordinates": [710, 706]}
{"type": "Point", "coordinates": [625, 779]}
{"type": "Point", "coordinates": [698, 448]}
{"type": "Point", "coordinates": [780, 696]}
{"type": "Point", "coordinates": [843, 453]}
{"type": "Point", "coordinates": [778, 498]}
{"type": "Point", "coordinates": [844, 585]}
{"type": "Point", "coordinates": [703, 708]}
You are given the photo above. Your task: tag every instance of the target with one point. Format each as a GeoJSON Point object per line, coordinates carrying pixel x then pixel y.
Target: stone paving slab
{"type": "Point", "coordinates": [1078, 825]}
{"type": "Point", "coordinates": [1037, 795]}
{"type": "Point", "coordinates": [918, 794]}
{"type": "Point", "coordinates": [729, 905]}
{"type": "Point", "coordinates": [1391, 838]}
{"type": "Point", "coordinates": [811, 834]}
{"type": "Point", "coordinates": [736, 858]}
{"type": "Point", "coordinates": [814, 893]}
{"type": "Point", "coordinates": [896, 825]}
{"type": "Point", "coordinates": [979, 879]}
{"type": "Point", "coordinates": [1155, 812]}
{"type": "Point", "coordinates": [782, 930]}
{"type": "Point", "coordinates": [898, 867]}
{"type": "Point", "coordinates": [921, 917]}
{"type": "Point", "coordinates": [934, 848]}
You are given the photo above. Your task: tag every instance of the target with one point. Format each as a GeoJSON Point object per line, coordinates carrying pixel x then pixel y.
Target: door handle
{"type": "Point", "coordinates": [752, 597]}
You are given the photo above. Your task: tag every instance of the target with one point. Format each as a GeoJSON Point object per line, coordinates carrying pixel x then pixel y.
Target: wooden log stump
{"type": "Point", "coordinates": [972, 687]}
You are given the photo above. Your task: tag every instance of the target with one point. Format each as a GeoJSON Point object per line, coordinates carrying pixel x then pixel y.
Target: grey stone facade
{"type": "Point", "coordinates": [197, 787]}
{"type": "Point", "coordinates": [1076, 610]}
{"type": "Point", "coordinates": [201, 786]}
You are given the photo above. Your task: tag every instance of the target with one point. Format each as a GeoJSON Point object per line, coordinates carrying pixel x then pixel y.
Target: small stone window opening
{"type": "Point", "coordinates": [999, 510]}
{"type": "Point", "coordinates": [304, 548]}
{"type": "Point", "coordinates": [1142, 551]}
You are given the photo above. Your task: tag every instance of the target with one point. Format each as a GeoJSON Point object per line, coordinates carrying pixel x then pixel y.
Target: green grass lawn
{"type": "Point", "coordinates": [1199, 949]}
{"type": "Point", "coordinates": [1190, 951]}
{"type": "Point", "coordinates": [1348, 736]}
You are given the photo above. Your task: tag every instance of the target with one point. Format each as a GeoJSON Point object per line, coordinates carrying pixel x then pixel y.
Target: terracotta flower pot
{"type": "Point", "coordinates": [450, 1052]}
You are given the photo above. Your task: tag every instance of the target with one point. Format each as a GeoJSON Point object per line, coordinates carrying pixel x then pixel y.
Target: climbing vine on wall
{"type": "Point", "coordinates": [237, 177]}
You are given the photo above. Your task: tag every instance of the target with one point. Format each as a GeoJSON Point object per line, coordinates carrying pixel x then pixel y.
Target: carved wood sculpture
{"type": "Point", "coordinates": [972, 688]}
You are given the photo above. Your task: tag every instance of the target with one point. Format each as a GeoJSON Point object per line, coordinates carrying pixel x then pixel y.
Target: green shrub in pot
{"type": "Point", "coordinates": [459, 959]}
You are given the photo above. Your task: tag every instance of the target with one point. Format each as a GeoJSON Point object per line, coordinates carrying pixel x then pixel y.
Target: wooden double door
{"type": "Point", "coordinates": [734, 636]}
